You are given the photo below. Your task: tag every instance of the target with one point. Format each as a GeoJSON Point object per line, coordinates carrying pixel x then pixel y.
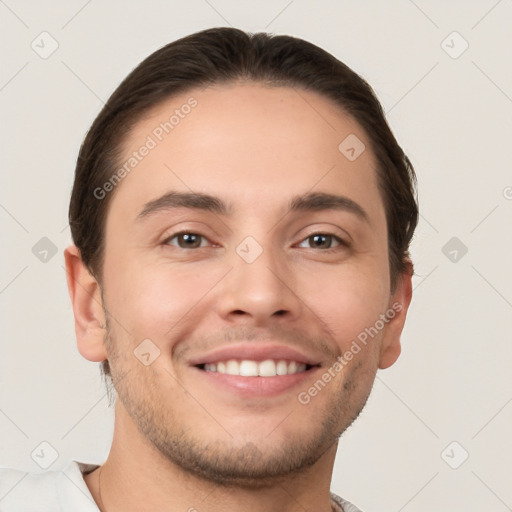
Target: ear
{"type": "Point", "coordinates": [398, 307]}
{"type": "Point", "coordinates": [85, 294]}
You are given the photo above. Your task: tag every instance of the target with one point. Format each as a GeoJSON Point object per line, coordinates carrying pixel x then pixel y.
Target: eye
{"type": "Point", "coordinates": [322, 241]}
{"type": "Point", "coordinates": [187, 240]}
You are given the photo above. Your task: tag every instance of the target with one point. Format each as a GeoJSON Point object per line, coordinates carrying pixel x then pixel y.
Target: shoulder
{"type": "Point", "coordinates": [27, 492]}
{"type": "Point", "coordinates": [344, 505]}
{"type": "Point", "coordinates": [51, 491]}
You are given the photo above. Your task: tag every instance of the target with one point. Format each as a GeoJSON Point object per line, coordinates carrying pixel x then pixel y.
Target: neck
{"type": "Point", "coordinates": [141, 478]}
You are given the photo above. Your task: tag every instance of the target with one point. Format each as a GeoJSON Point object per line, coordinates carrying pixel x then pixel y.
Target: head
{"type": "Point", "coordinates": [241, 190]}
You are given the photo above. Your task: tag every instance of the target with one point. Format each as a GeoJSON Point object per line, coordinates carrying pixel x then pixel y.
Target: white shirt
{"type": "Point", "coordinates": [52, 491]}
{"type": "Point", "coordinates": [64, 491]}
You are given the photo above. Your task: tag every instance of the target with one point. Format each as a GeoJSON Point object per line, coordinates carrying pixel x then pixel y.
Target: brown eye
{"type": "Point", "coordinates": [321, 241]}
{"type": "Point", "coordinates": [186, 240]}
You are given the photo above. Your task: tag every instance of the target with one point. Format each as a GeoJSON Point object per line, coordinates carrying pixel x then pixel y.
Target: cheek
{"type": "Point", "coordinates": [348, 303]}
{"type": "Point", "coordinates": [153, 299]}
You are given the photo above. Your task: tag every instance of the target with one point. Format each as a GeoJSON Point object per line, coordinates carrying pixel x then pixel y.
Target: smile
{"type": "Point", "coordinates": [250, 368]}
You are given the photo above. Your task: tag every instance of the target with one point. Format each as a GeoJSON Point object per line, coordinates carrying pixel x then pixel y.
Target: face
{"type": "Point", "coordinates": [245, 258]}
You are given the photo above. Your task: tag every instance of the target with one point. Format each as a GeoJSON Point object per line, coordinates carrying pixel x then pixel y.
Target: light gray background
{"type": "Point", "coordinates": [453, 117]}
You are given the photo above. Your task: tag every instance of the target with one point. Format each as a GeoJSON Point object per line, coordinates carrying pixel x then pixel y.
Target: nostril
{"type": "Point", "coordinates": [281, 312]}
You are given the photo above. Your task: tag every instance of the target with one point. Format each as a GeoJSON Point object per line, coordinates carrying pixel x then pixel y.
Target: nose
{"type": "Point", "coordinates": [259, 291]}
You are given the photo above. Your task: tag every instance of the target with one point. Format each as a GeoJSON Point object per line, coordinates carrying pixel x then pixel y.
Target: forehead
{"type": "Point", "coordinates": [248, 142]}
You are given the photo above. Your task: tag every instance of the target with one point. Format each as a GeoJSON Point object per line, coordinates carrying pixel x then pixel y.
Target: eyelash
{"type": "Point", "coordinates": [340, 241]}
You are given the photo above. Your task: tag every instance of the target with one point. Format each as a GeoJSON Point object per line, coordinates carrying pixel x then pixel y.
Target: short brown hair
{"type": "Point", "coordinates": [222, 55]}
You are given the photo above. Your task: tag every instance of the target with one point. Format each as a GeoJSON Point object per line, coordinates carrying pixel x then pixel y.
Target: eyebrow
{"type": "Point", "coordinates": [196, 200]}
{"type": "Point", "coordinates": [316, 201]}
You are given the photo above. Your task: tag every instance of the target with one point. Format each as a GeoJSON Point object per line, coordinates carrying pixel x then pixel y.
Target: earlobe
{"type": "Point", "coordinates": [398, 307]}
{"type": "Point", "coordinates": [86, 300]}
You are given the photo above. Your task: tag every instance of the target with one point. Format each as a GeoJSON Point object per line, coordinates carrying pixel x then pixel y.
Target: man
{"type": "Point", "coordinates": [241, 215]}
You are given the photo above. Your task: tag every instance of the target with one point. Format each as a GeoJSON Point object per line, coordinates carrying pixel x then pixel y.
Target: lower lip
{"type": "Point", "coordinates": [257, 386]}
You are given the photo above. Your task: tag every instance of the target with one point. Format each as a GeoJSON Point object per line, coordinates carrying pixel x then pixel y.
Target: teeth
{"type": "Point", "coordinates": [267, 368]}
{"type": "Point", "coordinates": [232, 368]}
{"type": "Point", "coordinates": [282, 368]}
{"type": "Point", "coordinates": [248, 368]}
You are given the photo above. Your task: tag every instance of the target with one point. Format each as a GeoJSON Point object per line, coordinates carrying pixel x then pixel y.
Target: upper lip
{"type": "Point", "coordinates": [253, 352]}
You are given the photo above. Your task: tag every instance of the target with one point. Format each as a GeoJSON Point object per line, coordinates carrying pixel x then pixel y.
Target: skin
{"type": "Point", "coordinates": [179, 442]}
